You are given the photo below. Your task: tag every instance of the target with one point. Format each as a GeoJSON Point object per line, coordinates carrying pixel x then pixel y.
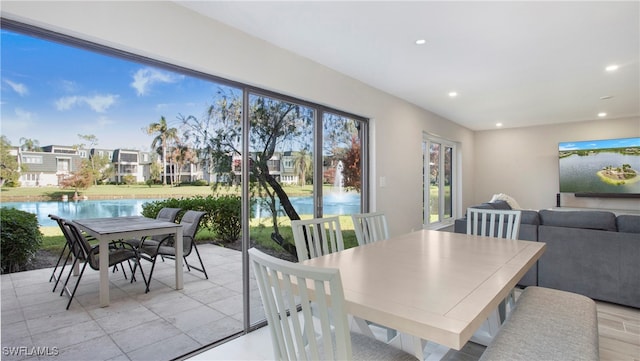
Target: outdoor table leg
{"type": "Point", "coordinates": [179, 261]}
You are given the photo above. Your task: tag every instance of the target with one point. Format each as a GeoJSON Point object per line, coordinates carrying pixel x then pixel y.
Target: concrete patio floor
{"type": "Point", "coordinates": [160, 325]}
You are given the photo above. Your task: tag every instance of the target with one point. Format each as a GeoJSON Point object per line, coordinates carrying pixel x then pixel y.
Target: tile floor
{"type": "Point", "coordinates": [160, 325]}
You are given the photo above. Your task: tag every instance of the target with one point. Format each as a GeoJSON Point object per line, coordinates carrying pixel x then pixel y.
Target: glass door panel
{"type": "Point", "coordinates": [342, 175]}
{"type": "Point", "coordinates": [281, 172]}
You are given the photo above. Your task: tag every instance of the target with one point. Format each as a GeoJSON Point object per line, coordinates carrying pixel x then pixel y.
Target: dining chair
{"type": "Point", "coordinates": [370, 227]}
{"type": "Point", "coordinates": [83, 251]}
{"type": "Point", "coordinates": [498, 223]}
{"type": "Point", "coordinates": [165, 214]}
{"type": "Point", "coordinates": [317, 237]}
{"type": "Point", "coordinates": [66, 253]}
{"type": "Point", "coordinates": [306, 314]}
{"type": "Point", "coordinates": [165, 248]}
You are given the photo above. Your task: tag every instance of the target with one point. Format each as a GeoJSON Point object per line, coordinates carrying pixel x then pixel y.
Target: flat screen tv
{"type": "Point", "coordinates": [607, 167]}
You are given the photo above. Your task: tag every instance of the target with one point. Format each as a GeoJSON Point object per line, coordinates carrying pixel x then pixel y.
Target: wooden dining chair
{"type": "Point", "coordinates": [498, 223]}
{"type": "Point", "coordinates": [317, 237]}
{"type": "Point", "coordinates": [370, 227]}
{"type": "Point", "coordinates": [306, 314]}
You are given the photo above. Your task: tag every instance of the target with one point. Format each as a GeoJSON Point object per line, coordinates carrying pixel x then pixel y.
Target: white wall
{"type": "Point", "coordinates": [171, 33]}
{"type": "Point", "coordinates": [523, 162]}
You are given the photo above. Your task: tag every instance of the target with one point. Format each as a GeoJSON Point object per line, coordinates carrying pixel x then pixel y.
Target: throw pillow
{"type": "Point", "coordinates": [504, 197]}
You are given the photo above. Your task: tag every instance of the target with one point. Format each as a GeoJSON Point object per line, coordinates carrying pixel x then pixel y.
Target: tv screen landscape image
{"type": "Point", "coordinates": [608, 166]}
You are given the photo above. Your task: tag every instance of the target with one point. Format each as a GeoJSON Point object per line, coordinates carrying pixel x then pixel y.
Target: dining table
{"type": "Point", "coordinates": [435, 288]}
{"type": "Point", "coordinates": [110, 229]}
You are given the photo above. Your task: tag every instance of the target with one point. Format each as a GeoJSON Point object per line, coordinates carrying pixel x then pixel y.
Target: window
{"type": "Point", "coordinates": [439, 181]}
{"type": "Point", "coordinates": [32, 159]}
{"type": "Point", "coordinates": [63, 165]}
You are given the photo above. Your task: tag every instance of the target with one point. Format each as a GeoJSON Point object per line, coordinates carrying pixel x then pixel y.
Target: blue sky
{"type": "Point", "coordinates": [52, 92]}
{"type": "Point", "coordinates": [600, 144]}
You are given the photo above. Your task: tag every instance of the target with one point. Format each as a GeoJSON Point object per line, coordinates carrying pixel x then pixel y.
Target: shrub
{"type": "Point", "coordinates": [20, 237]}
{"type": "Point", "coordinates": [200, 183]}
{"type": "Point", "coordinates": [223, 214]}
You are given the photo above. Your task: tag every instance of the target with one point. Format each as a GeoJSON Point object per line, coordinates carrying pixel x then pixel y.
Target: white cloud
{"type": "Point", "coordinates": [66, 103]}
{"type": "Point", "coordinates": [19, 88]}
{"type": "Point", "coordinates": [23, 115]}
{"type": "Point", "coordinates": [145, 77]}
{"type": "Point", "coordinates": [98, 103]}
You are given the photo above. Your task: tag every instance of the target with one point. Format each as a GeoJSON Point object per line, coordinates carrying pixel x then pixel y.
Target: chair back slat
{"type": "Point", "coordinates": [317, 237]}
{"type": "Point", "coordinates": [498, 223]}
{"type": "Point", "coordinates": [319, 330]}
{"type": "Point", "coordinates": [370, 227]}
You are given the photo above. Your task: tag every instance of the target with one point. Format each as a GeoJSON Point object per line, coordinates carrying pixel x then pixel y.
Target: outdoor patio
{"type": "Point", "coordinates": [160, 325]}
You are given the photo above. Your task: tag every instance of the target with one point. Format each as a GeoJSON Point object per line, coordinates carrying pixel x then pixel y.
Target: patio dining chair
{"type": "Point", "coordinates": [165, 248]}
{"type": "Point", "coordinates": [317, 237]}
{"type": "Point", "coordinates": [370, 227]}
{"type": "Point", "coordinates": [65, 253]}
{"type": "Point", "coordinates": [498, 223]}
{"type": "Point", "coordinates": [165, 214]}
{"type": "Point", "coordinates": [306, 314]}
{"type": "Point", "coordinates": [83, 251]}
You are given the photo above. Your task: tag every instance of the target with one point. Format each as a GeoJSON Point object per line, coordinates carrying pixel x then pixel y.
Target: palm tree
{"type": "Point", "coordinates": [30, 145]}
{"type": "Point", "coordinates": [163, 134]}
{"type": "Point", "coordinates": [301, 164]}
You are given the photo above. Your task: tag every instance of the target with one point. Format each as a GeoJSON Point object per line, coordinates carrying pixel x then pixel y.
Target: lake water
{"type": "Point", "coordinates": [334, 204]}
{"type": "Point", "coordinates": [579, 173]}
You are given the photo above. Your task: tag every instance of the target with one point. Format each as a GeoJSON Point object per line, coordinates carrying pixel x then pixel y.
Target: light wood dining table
{"type": "Point", "coordinates": [110, 229]}
{"type": "Point", "coordinates": [431, 285]}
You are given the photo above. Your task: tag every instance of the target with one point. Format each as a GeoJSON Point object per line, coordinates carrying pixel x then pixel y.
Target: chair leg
{"type": "Point", "coordinates": [153, 265]}
{"type": "Point", "coordinates": [53, 274]}
{"type": "Point", "coordinates": [75, 288]}
{"type": "Point", "coordinates": [203, 270]}
{"type": "Point", "coordinates": [66, 260]}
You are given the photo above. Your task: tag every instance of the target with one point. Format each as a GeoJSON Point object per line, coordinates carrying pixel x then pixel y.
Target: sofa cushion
{"type": "Point", "coordinates": [628, 223]}
{"type": "Point", "coordinates": [600, 220]}
{"type": "Point", "coordinates": [485, 205]}
{"type": "Point", "coordinates": [500, 205]}
{"type": "Point", "coordinates": [529, 217]}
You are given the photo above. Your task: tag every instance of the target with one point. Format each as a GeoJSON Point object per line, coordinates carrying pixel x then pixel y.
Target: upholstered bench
{"type": "Point", "coordinates": [547, 324]}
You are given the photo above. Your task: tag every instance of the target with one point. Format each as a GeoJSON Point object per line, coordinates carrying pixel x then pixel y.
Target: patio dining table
{"type": "Point", "coordinates": [110, 229]}
{"type": "Point", "coordinates": [431, 285]}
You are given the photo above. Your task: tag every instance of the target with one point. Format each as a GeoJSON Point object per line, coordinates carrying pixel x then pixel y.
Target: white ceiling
{"type": "Point", "coordinates": [517, 63]}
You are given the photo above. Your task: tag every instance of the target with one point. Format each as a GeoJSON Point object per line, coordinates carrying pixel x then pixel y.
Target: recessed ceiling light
{"type": "Point", "coordinates": [611, 68]}
{"type": "Point", "coordinates": [602, 114]}
{"type": "Point", "coordinates": [421, 42]}
{"type": "Point", "coordinates": [498, 125]}
{"type": "Point", "coordinates": [453, 94]}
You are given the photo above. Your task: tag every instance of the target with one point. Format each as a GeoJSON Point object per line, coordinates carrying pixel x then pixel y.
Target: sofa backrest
{"type": "Point", "coordinates": [628, 223]}
{"type": "Point", "coordinates": [600, 220]}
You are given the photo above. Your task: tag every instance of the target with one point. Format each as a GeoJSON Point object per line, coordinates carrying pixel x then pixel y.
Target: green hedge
{"type": "Point", "coordinates": [20, 237]}
{"type": "Point", "coordinates": [223, 213]}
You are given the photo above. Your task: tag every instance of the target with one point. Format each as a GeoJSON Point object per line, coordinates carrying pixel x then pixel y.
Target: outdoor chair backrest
{"type": "Point", "coordinates": [317, 237]}
{"type": "Point", "coordinates": [319, 295]}
{"type": "Point", "coordinates": [498, 223]}
{"type": "Point", "coordinates": [190, 223]}
{"type": "Point", "coordinates": [370, 227]}
{"type": "Point", "coordinates": [168, 214]}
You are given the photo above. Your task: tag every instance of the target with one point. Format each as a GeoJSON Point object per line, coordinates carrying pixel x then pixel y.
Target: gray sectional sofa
{"type": "Point", "coordinates": [593, 253]}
